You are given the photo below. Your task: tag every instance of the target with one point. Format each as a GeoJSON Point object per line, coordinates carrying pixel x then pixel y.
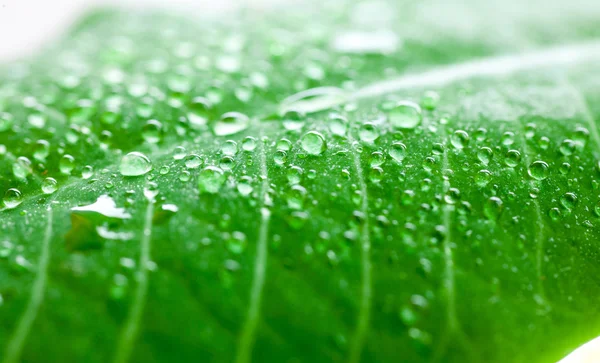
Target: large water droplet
{"type": "Point", "coordinates": [406, 115]}
{"type": "Point", "coordinates": [538, 170]}
{"type": "Point", "coordinates": [313, 143]}
{"type": "Point", "coordinates": [12, 198]}
{"type": "Point", "coordinates": [211, 179]}
{"type": "Point", "coordinates": [49, 185]}
{"type": "Point", "coordinates": [231, 123]}
{"type": "Point", "coordinates": [135, 164]}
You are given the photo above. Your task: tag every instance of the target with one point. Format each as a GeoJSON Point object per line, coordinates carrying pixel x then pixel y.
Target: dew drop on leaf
{"type": "Point", "coordinates": [338, 125]}
{"type": "Point", "coordinates": [179, 153]}
{"type": "Point", "coordinates": [87, 172]}
{"type": "Point", "coordinates": [66, 164]}
{"type": "Point", "coordinates": [568, 200]}
{"type": "Point", "coordinates": [538, 170]}
{"type": "Point", "coordinates": [249, 143]}
{"type": "Point", "coordinates": [512, 158]}
{"type": "Point", "coordinates": [21, 167]}
{"type": "Point", "coordinates": [135, 164]}
{"type": "Point", "coordinates": [397, 151]}
{"type": "Point", "coordinates": [229, 147]}
{"type": "Point", "coordinates": [484, 154]}
{"type": "Point", "coordinates": [12, 198]}
{"type": "Point", "coordinates": [368, 132]}
{"type": "Point", "coordinates": [405, 115]}
{"type": "Point", "coordinates": [283, 145]}
{"type": "Point", "coordinates": [193, 161]}
{"type": "Point", "coordinates": [313, 143]}
{"type": "Point", "coordinates": [430, 100]}
{"type": "Point", "coordinates": [493, 208]}
{"type": "Point", "coordinates": [210, 179]}
{"type": "Point", "coordinates": [49, 185]}
{"type": "Point", "coordinates": [231, 123]}
{"type": "Point", "coordinates": [41, 150]}
{"type": "Point", "coordinates": [151, 132]}
{"type": "Point", "coordinates": [460, 139]}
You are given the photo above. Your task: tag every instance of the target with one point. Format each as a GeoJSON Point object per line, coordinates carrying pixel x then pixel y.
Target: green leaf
{"type": "Point", "coordinates": [374, 182]}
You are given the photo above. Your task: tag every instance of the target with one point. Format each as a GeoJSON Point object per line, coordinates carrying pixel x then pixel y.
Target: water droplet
{"type": "Point", "coordinates": [87, 172]}
{"type": "Point", "coordinates": [405, 115]}
{"type": "Point", "coordinates": [493, 208]}
{"type": "Point", "coordinates": [313, 143]}
{"type": "Point", "coordinates": [538, 170]}
{"type": "Point", "coordinates": [49, 185]}
{"type": "Point", "coordinates": [135, 164]}
{"type": "Point", "coordinates": [179, 153]}
{"type": "Point", "coordinates": [280, 157]}
{"type": "Point", "coordinates": [6, 121]}
{"type": "Point", "coordinates": [164, 170]}
{"type": "Point", "coordinates": [460, 139]}
{"type": "Point", "coordinates": [283, 145]}
{"type": "Point", "coordinates": [377, 158]}
{"type": "Point", "coordinates": [66, 164]}
{"type": "Point", "coordinates": [296, 197]}
{"type": "Point", "coordinates": [227, 163]}
{"type": "Point", "coordinates": [249, 143]}
{"type": "Point", "coordinates": [244, 186]}
{"type": "Point", "coordinates": [210, 179]}
{"type": "Point", "coordinates": [554, 214]}
{"type": "Point", "coordinates": [338, 125]}
{"type": "Point", "coordinates": [368, 132]}
{"type": "Point", "coordinates": [294, 174]}
{"type": "Point", "coordinates": [397, 151]}
{"type": "Point", "coordinates": [543, 142]}
{"type": "Point", "coordinates": [293, 120]}
{"type": "Point", "coordinates": [484, 154]}
{"type": "Point", "coordinates": [430, 100]}
{"type": "Point", "coordinates": [12, 198]}
{"type": "Point", "coordinates": [151, 132]}
{"type": "Point", "coordinates": [564, 168]}
{"type": "Point", "coordinates": [512, 158]}
{"type": "Point", "coordinates": [41, 150]}
{"type": "Point", "coordinates": [567, 147]}
{"type": "Point", "coordinates": [229, 147]}
{"type": "Point", "coordinates": [151, 191]}
{"type": "Point", "coordinates": [568, 200]}
{"type": "Point", "coordinates": [376, 174]}
{"type": "Point", "coordinates": [236, 243]}
{"type": "Point", "coordinates": [21, 167]}
{"type": "Point", "coordinates": [508, 138]}
{"type": "Point", "coordinates": [231, 123]}
{"type": "Point", "coordinates": [483, 178]}
{"type": "Point", "coordinates": [184, 176]}
{"type": "Point", "coordinates": [193, 161]}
